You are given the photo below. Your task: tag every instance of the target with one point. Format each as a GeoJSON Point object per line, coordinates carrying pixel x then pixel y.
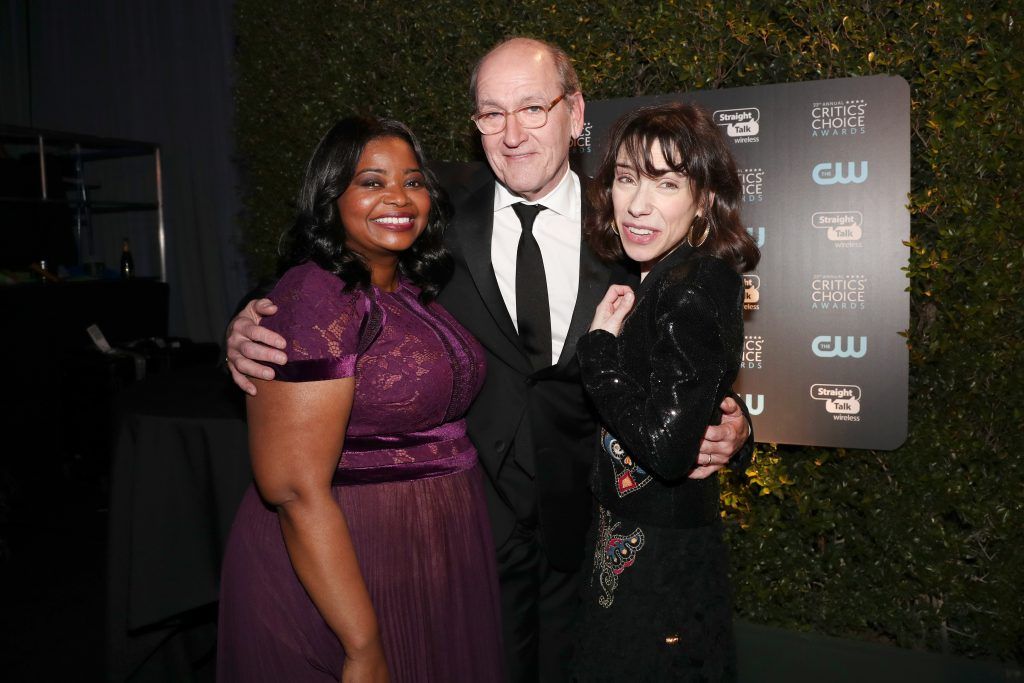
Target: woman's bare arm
{"type": "Point", "coordinates": [296, 433]}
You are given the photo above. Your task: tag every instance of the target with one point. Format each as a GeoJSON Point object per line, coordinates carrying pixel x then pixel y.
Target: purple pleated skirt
{"type": "Point", "coordinates": [425, 550]}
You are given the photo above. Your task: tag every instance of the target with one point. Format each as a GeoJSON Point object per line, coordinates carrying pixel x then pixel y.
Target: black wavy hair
{"type": "Point", "coordinates": [692, 145]}
{"type": "Point", "coordinates": [318, 234]}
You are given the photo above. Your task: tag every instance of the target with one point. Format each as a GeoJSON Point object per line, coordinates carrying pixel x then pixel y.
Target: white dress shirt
{"type": "Point", "coordinates": [558, 233]}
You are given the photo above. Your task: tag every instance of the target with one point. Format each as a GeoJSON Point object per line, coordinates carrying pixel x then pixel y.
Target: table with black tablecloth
{"type": "Point", "coordinates": [180, 468]}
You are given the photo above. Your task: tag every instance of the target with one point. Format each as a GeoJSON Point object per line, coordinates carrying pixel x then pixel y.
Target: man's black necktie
{"type": "Point", "coordinates": [532, 313]}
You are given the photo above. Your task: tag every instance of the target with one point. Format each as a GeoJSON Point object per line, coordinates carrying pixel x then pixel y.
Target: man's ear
{"type": "Point", "coordinates": [577, 107]}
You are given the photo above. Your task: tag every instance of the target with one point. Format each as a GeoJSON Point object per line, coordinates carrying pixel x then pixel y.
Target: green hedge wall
{"type": "Point", "coordinates": [920, 547]}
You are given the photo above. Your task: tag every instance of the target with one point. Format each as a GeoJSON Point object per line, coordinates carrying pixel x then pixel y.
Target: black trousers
{"type": "Point", "coordinates": [539, 606]}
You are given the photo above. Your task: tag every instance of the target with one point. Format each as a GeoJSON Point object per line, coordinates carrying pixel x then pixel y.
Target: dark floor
{"type": "Point", "coordinates": [53, 529]}
{"type": "Point", "coordinates": [53, 544]}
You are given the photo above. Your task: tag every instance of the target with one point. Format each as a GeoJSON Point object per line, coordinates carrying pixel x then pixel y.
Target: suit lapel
{"type": "Point", "coordinates": [476, 224]}
{"type": "Point", "coordinates": [595, 276]}
{"type": "Point", "coordinates": [474, 219]}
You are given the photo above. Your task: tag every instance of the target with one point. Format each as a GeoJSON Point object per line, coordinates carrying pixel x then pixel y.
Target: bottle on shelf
{"type": "Point", "coordinates": [45, 275]}
{"type": "Point", "coordinates": [127, 262]}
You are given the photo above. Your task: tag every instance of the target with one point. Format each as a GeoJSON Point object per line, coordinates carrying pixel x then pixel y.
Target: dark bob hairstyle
{"type": "Point", "coordinates": [693, 146]}
{"type": "Point", "coordinates": [318, 234]}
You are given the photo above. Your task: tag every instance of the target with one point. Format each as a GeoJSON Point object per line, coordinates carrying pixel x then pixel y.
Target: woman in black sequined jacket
{"type": "Point", "coordinates": [656, 365]}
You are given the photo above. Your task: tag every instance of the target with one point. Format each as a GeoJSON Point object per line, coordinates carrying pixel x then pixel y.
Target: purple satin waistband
{"type": "Point", "coordinates": [417, 455]}
{"type": "Point", "coordinates": [449, 431]}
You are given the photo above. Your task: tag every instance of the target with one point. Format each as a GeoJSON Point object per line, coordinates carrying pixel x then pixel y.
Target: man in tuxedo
{"type": "Point", "coordinates": [526, 285]}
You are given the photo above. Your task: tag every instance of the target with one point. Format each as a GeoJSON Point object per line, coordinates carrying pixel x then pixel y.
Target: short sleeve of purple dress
{"type": "Point", "coordinates": [407, 482]}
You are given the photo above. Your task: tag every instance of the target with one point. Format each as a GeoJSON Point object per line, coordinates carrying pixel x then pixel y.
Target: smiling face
{"type": "Point", "coordinates": [386, 206]}
{"type": "Point", "coordinates": [653, 214]}
{"type": "Point", "coordinates": [528, 161]}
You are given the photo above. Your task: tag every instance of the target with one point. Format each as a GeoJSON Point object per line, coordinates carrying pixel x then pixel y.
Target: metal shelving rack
{"type": "Point", "coordinates": [83, 149]}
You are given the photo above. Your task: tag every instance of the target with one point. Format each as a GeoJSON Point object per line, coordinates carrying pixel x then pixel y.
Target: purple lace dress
{"type": "Point", "coordinates": [407, 481]}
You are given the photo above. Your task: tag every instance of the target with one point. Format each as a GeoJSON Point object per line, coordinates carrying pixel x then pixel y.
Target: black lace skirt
{"type": "Point", "coordinates": [656, 605]}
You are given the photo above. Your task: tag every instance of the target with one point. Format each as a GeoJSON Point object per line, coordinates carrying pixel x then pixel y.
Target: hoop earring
{"type": "Point", "coordinates": [704, 237]}
{"type": "Point", "coordinates": [614, 227]}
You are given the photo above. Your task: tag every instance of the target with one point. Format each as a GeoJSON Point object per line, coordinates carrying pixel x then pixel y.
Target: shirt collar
{"type": "Point", "coordinates": [563, 199]}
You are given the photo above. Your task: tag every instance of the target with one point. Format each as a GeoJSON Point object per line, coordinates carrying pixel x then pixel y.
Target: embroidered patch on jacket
{"type": "Point", "coordinates": [629, 476]}
{"type": "Point", "coordinates": [613, 555]}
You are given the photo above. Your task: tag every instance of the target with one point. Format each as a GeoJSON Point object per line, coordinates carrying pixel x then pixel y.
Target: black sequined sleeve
{"type": "Point", "coordinates": [661, 418]}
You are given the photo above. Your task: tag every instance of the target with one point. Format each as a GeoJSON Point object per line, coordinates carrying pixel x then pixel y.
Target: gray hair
{"type": "Point", "coordinates": [567, 77]}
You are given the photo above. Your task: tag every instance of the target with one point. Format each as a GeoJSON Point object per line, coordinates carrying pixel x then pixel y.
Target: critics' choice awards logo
{"type": "Point", "coordinates": [741, 125]}
{"type": "Point", "coordinates": [839, 292]}
{"type": "Point", "coordinates": [753, 351]}
{"type": "Point", "coordinates": [843, 228]}
{"type": "Point", "coordinates": [752, 180]}
{"type": "Point", "coordinates": [843, 173]}
{"type": "Point", "coordinates": [841, 117]}
{"type": "Point", "coordinates": [751, 293]}
{"type": "Point", "coordinates": [581, 143]}
{"type": "Point", "coordinates": [757, 233]}
{"type": "Point", "coordinates": [825, 346]}
{"type": "Point", "coordinates": [842, 401]}
{"type": "Point", "coordinates": [755, 403]}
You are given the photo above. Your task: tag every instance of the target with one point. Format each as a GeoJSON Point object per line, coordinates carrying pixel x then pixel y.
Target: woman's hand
{"type": "Point", "coordinates": [613, 309]}
{"type": "Point", "coordinates": [368, 666]}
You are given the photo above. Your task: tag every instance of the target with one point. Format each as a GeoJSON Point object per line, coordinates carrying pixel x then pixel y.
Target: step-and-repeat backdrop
{"type": "Point", "coordinates": [825, 167]}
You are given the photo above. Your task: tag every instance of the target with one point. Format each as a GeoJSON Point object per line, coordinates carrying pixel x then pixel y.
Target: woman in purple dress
{"type": "Point", "coordinates": [362, 552]}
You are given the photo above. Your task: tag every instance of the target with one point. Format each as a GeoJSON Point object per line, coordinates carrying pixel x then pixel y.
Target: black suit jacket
{"type": "Point", "coordinates": [519, 411]}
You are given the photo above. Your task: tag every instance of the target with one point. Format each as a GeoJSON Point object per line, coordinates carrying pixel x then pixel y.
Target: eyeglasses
{"type": "Point", "coordinates": [530, 116]}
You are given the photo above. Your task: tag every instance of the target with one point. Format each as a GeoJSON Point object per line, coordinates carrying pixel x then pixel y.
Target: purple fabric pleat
{"type": "Point", "coordinates": [438, 614]}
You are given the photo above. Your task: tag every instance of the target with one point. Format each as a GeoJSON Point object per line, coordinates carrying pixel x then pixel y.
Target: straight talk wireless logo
{"type": "Point", "coordinates": [841, 401]}
{"type": "Point", "coordinates": [751, 292]}
{"type": "Point", "coordinates": [844, 229]}
{"type": "Point", "coordinates": [741, 125]}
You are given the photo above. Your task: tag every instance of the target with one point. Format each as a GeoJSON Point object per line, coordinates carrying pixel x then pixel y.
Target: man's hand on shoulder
{"type": "Point", "coordinates": [249, 345]}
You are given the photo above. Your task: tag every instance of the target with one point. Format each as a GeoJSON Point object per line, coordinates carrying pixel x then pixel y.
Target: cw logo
{"type": "Point", "coordinates": [831, 347]}
{"type": "Point", "coordinates": [757, 234]}
{"type": "Point", "coordinates": [755, 403]}
{"type": "Point", "coordinates": [830, 173]}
